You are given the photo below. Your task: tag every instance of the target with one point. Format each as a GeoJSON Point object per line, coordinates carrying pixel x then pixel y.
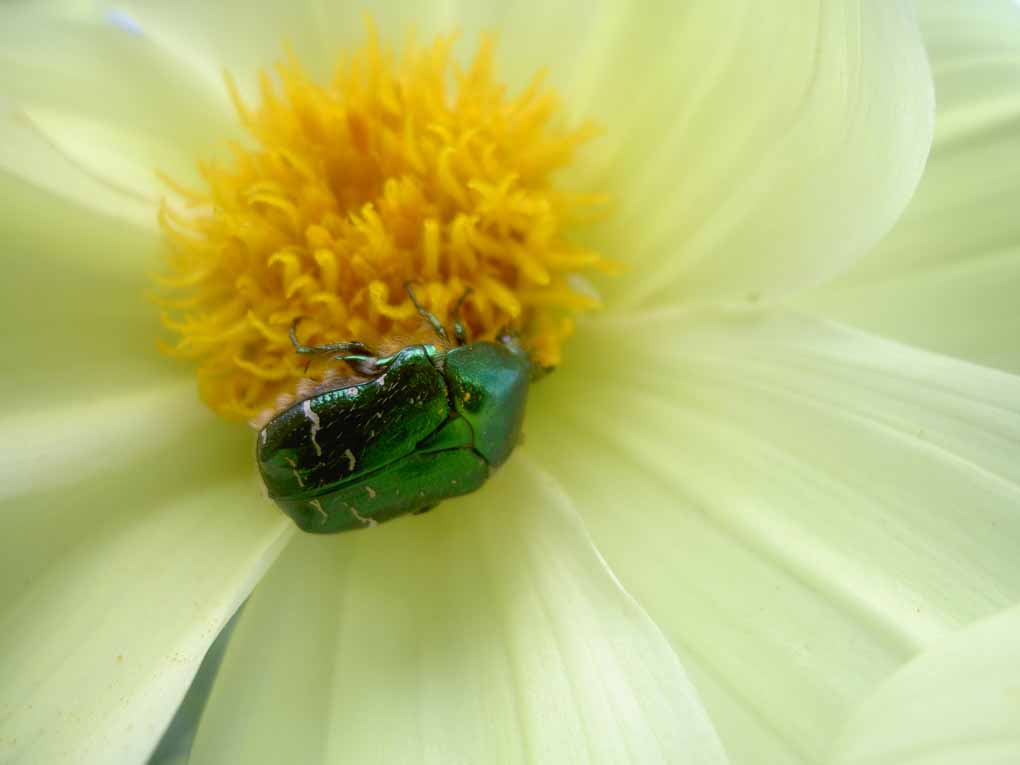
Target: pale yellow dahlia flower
{"type": "Point", "coordinates": [738, 532]}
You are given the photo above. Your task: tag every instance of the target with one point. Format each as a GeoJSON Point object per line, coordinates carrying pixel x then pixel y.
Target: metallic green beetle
{"type": "Point", "coordinates": [429, 423]}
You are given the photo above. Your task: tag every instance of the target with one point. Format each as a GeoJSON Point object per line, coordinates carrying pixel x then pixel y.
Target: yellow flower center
{"type": "Point", "coordinates": [403, 169]}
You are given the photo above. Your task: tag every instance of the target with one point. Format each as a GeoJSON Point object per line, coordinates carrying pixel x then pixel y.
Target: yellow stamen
{"type": "Point", "coordinates": [386, 175]}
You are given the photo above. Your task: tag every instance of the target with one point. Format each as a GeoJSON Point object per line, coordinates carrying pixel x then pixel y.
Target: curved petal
{"type": "Point", "coordinates": [799, 506]}
{"type": "Point", "coordinates": [117, 574]}
{"type": "Point", "coordinates": [174, 747]}
{"type": "Point", "coordinates": [955, 703]}
{"type": "Point", "coordinates": [68, 440]}
{"type": "Point", "coordinates": [947, 276]}
{"type": "Point", "coordinates": [487, 631]}
{"type": "Point", "coordinates": [79, 329]}
{"type": "Point", "coordinates": [119, 580]}
{"type": "Point", "coordinates": [91, 109]}
{"type": "Point", "coordinates": [761, 148]}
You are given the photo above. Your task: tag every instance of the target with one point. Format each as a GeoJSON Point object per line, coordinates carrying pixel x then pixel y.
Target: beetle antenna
{"type": "Point", "coordinates": [427, 315]}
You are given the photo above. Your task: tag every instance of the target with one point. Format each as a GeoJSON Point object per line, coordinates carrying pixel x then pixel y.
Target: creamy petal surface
{"type": "Point", "coordinates": [957, 702]}
{"type": "Point", "coordinates": [948, 275]}
{"type": "Point", "coordinates": [799, 506]}
{"type": "Point", "coordinates": [487, 631]}
{"type": "Point", "coordinates": [133, 524]}
{"type": "Point", "coordinates": [116, 586]}
{"type": "Point", "coordinates": [90, 110]}
{"type": "Point", "coordinates": [762, 147]}
{"type": "Point", "coordinates": [80, 328]}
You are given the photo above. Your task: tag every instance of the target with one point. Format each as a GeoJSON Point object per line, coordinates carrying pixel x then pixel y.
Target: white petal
{"type": "Point", "coordinates": [29, 153]}
{"type": "Point", "coordinates": [245, 38]}
{"type": "Point", "coordinates": [760, 148]}
{"type": "Point", "coordinates": [487, 631]}
{"type": "Point", "coordinates": [67, 440]}
{"type": "Point", "coordinates": [956, 704]}
{"type": "Point", "coordinates": [531, 35]}
{"type": "Point", "coordinates": [948, 275]}
{"type": "Point", "coordinates": [113, 586]}
{"type": "Point", "coordinates": [123, 539]}
{"type": "Point", "coordinates": [79, 328]}
{"type": "Point", "coordinates": [174, 746]}
{"type": "Point", "coordinates": [92, 110]}
{"type": "Point", "coordinates": [800, 507]}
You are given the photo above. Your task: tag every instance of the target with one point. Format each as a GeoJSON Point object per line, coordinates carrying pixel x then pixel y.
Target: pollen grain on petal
{"type": "Point", "coordinates": [404, 168]}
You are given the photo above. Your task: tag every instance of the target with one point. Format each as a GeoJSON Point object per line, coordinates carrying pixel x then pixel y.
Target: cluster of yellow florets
{"type": "Point", "coordinates": [395, 172]}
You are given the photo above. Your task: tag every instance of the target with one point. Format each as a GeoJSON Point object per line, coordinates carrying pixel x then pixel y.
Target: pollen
{"type": "Point", "coordinates": [404, 169]}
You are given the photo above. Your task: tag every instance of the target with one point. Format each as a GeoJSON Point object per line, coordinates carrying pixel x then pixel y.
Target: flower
{"type": "Point", "coordinates": [733, 522]}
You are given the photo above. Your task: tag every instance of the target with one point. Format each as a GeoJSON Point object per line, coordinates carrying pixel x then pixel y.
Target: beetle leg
{"type": "Point", "coordinates": [428, 316]}
{"type": "Point", "coordinates": [458, 328]}
{"type": "Point", "coordinates": [349, 347]}
{"type": "Point", "coordinates": [369, 366]}
{"type": "Point", "coordinates": [385, 361]}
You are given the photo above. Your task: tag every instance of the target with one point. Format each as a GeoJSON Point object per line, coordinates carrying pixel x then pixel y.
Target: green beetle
{"type": "Point", "coordinates": [429, 422]}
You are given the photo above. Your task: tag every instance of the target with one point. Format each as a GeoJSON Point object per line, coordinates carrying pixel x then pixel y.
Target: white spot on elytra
{"type": "Point", "coordinates": [306, 407]}
{"type": "Point", "coordinates": [371, 491]}
{"type": "Point", "coordinates": [318, 506]}
{"type": "Point", "coordinates": [370, 522]}
{"type": "Point", "coordinates": [262, 435]}
{"type": "Point", "coordinates": [293, 469]}
{"type": "Point", "coordinates": [351, 462]}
